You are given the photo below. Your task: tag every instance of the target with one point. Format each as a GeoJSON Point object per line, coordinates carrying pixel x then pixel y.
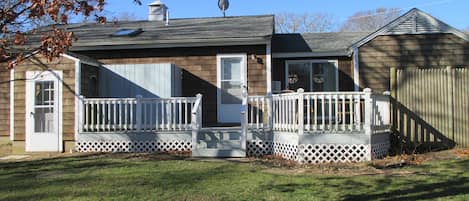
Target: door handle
{"type": "Point", "coordinates": [32, 113]}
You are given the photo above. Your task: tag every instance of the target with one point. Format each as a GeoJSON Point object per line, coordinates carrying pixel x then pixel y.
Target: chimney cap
{"type": "Point", "coordinates": [156, 3]}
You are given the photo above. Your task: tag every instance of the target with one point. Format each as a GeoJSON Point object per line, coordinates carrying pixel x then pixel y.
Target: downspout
{"type": "Point", "coordinates": [356, 69]}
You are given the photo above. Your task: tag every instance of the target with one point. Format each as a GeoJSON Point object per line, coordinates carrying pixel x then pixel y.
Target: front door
{"type": "Point", "coordinates": [43, 122]}
{"type": "Point", "coordinates": [231, 78]}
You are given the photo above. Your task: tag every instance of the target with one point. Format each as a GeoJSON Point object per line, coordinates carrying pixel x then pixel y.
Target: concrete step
{"type": "Point", "coordinates": [224, 144]}
{"type": "Point", "coordinates": [220, 153]}
{"type": "Point", "coordinates": [219, 142]}
{"type": "Point", "coordinates": [218, 136]}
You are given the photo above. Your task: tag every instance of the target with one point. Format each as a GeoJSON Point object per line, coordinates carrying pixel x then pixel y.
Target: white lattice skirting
{"type": "Point", "coordinates": [333, 153]}
{"type": "Point", "coordinates": [380, 150]}
{"type": "Point", "coordinates": [286, 151]}
{"type": "Point", "coordinates": [258, 148]}
{"type": "Point", "coordinates": [133, 146]}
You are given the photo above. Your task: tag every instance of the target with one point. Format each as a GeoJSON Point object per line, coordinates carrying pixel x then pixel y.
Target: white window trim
{"type": "Point", "coordinates": [268, 67]}
{"type": "Point", "coordinates": [312, 61]}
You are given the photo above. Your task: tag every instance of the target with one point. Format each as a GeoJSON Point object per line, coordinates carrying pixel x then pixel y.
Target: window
{"type": "Point", "coordinates": [311, 75]}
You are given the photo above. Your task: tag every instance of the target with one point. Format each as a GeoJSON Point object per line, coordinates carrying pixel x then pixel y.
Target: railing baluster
{"type": "Point", "coordinates": [257, 112]}
{"type": "Point", "coordinates": [323, 112]}
{"type": "Point", "coordinates": [179, 103]}
{"type": "Point", "coordinates": [316, 113]}
{"type": "Point", "coordinates": [185, 115]}
{"type": "Point", "coordinates": [263, 110]}
{"type": "Point", "coordinates": [336, 111]}
{"type": "Point", "coordinates": [351, 111]}
{"type": "Point", "coordinates": [308, 112]}
{"type": "Point", "coordinates": [132, 124]}
{"type": "Point", "coordinates": [344, 120]}
{"type": "Point", "coordinates": [157, 115]}
{"type": "Point", "coordinates": [329, 116]}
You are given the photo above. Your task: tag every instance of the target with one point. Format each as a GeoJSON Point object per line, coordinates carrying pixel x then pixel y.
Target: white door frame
{"type": "Point", "coordinates": [31, 78]}
{"type": "Point", "coordinates": [311, 62]}
{"type": "Point", "coordinates": [244, 65]}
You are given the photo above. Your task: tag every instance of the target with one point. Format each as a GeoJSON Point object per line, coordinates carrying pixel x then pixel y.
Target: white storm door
{"type": "Point", "coordinates": [231, 78]}
{"type": "Point", "coordinates": [43, 122]}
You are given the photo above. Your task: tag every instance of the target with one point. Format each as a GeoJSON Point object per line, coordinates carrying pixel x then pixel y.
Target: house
{"type": "Point", "coordinates": [219, 87]}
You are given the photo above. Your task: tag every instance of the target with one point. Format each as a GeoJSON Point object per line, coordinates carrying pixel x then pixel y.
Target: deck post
{"type": "Point", "coordinates": [244, 118]}
{"type": "Point", "coordinates": [270, 111]}
{"type": "Point", "coordinates": [138, 112]}
{"type": "Point", "coordinates": [368, 111]}
{"type": "Point", "coordinates": [81, 115]}
{"type": "Point", "coordinates": [300, 118]}
{"type": "Point", "coordinates": [385, 109]}
{"type": "Point", "coordinates": [196, 120]}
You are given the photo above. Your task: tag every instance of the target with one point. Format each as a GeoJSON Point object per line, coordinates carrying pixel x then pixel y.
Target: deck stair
{"type": "Point", "coordinates": [219, 142]}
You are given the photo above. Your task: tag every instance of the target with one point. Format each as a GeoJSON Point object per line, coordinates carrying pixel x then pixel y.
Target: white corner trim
{"type": "Point", "coordinates": [77, 97]}
{"type": "Point", "coordinates": [356, 69]}
{"type": "Point", "coordinates": [268, 67]}
{"type": "Point", "coordinates": [12, 104]}
{"type": "Point", "coordinates": [70, 57]}
{"type": "Point", "coordinates": [80, 60]}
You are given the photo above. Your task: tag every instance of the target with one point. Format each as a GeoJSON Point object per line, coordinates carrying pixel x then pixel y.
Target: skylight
{"type": "Point", "coordinates": [127, 32]}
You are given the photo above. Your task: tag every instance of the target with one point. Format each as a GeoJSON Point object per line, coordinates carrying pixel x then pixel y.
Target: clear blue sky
{"type": "Point", "coordinates": [453, 12]}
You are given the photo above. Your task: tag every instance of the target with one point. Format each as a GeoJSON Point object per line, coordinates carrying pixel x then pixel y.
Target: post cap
{"type": "Point", "coordinates": [198, 95]}
{"type": "Point", "coordinates": [387, 93]}
{"type": "Point", "coordinates": [300, 90]}
{"type": "Point", "coordinates": [367, 90]}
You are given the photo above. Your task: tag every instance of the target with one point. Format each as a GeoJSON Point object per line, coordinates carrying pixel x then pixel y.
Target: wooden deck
{"type": "Point", "coordinates": [346, 126]}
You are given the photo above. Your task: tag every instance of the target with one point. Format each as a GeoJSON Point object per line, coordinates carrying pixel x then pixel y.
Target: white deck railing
{"type": "Point", "coordinates": [136, 114]}
{"type": "Point", "coordinates": [319, 112]}
{"type": "Point", "coordinates": [258, 108]}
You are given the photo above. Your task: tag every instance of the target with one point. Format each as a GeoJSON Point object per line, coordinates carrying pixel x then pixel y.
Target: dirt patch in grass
{"type": "Point", "coordinates": [389, 166]}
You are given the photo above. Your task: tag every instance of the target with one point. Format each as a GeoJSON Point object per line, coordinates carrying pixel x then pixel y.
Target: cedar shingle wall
{"type": "Point", "coordinates": [344, 64]}
{"type": "Point", "coordinates": [36, 63]}
{"type": "Point", "coordinates": [4, 100]}
{"type": "Point", "coordinates": [408, 51]}
{"type": "Point", "coordinates": [199, 66]}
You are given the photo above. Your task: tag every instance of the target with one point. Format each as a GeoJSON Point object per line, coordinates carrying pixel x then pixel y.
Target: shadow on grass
{"type": "Point", "coordinates": [150, 176]}
{"type": "Point", "coordinates": [123, 174]}
{"type": "Point", "coordinates": [451, 181]}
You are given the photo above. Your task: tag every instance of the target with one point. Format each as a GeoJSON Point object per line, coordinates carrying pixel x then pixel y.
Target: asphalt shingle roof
{"type": "Point", "coordinates": [178, 33]}
{"type": "Point", "coordinates": [320, 44]}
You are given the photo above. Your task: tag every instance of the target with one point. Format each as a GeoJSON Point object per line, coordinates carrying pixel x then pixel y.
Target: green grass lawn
{"type": "Point", "coordinates": [127, 177]}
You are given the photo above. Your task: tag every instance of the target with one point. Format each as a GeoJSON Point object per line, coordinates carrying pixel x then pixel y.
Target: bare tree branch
{"type": "Point", "coordinates": [370, 20]}
{"type": "Point", "coordinates": [18, 18]}
{"type": "Point", "coordinates": [304, 23]}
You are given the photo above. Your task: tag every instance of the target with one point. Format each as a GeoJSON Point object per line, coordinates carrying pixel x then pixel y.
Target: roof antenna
{"type": "Point", "coordinates": [223, 5]}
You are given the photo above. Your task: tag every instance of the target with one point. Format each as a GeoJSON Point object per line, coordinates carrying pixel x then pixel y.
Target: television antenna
{"type": "Point", "coordinates": [223, 5]}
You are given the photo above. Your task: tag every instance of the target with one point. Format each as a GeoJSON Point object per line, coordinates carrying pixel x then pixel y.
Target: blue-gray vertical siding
{"type": "Point", "coordinates": [149, 80]}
